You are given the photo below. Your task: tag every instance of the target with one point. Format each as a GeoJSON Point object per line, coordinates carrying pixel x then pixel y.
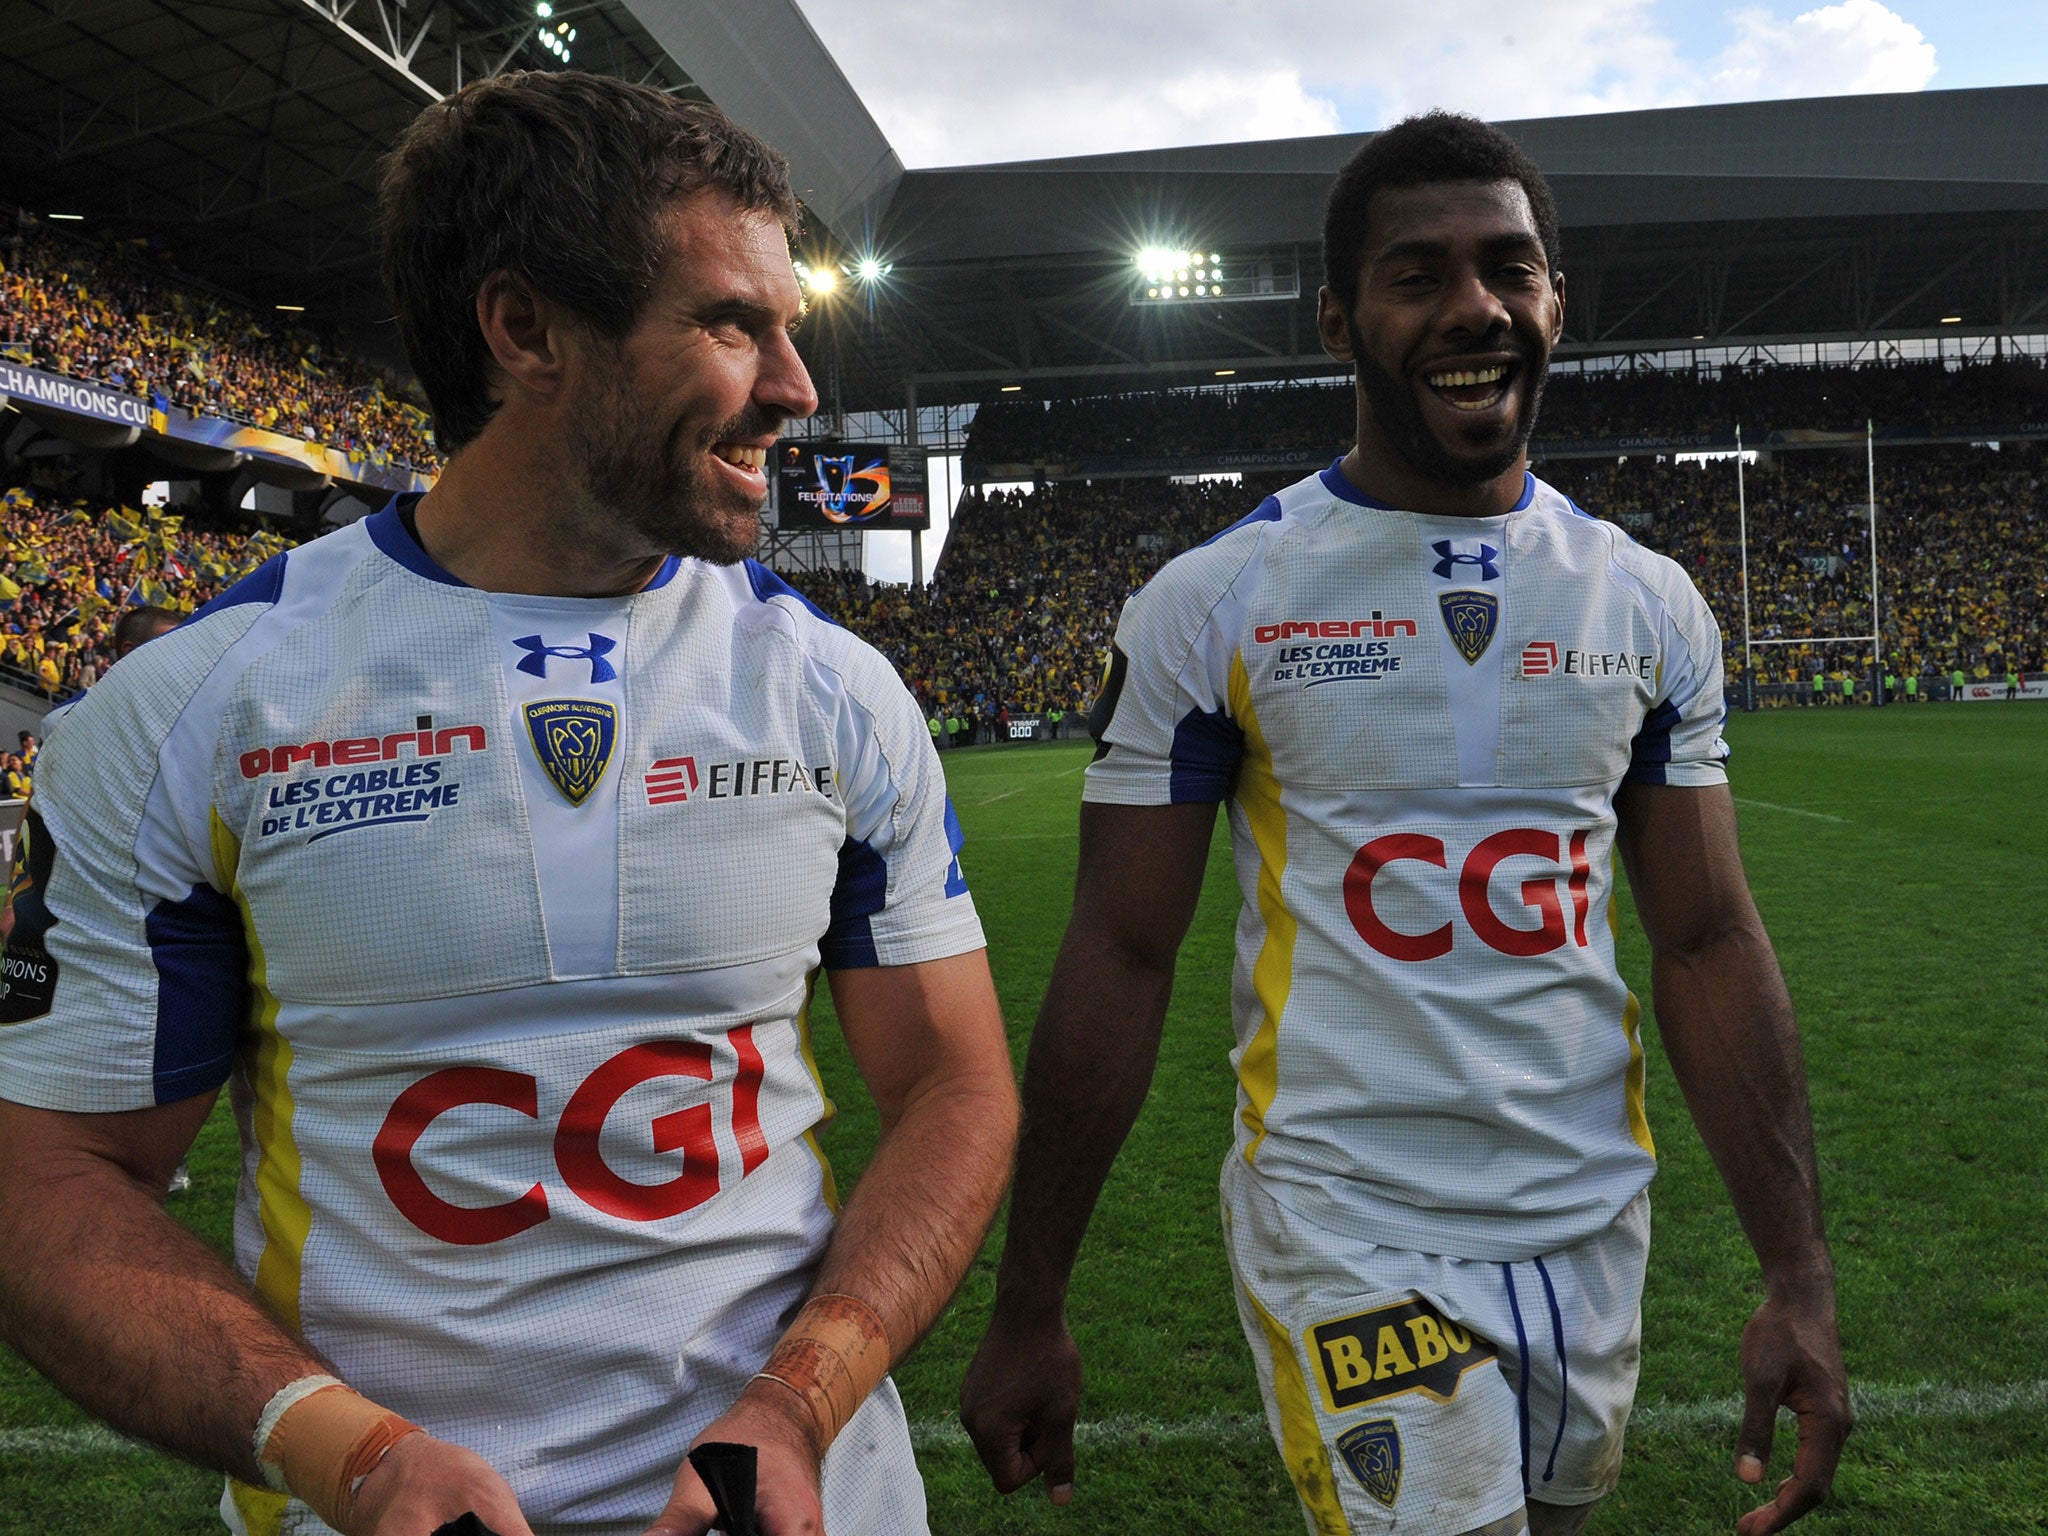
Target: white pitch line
{"type": "Point", "coordinates": [1066, 773]}
{"type": "Point", "coordinates": [1880, 1403]}
{"type": "Point", "coordinates": [992, 799]}
{"type": "Point", "coordinates": [1793, 810]}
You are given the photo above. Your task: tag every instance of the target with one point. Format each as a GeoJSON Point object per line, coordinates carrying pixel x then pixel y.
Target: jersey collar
{"type": "Point", "coordinates": [391, 530]}
{"type": "Point", "coordinates": [1339, 485]}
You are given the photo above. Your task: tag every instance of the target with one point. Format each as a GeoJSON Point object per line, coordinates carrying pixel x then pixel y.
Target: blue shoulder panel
{"type": "Point", "coordinates": [767, 584]}
{"type": "Point", "coordinates": [261, 585]}
{"type": "Point", "coordinates": [1267, 511]}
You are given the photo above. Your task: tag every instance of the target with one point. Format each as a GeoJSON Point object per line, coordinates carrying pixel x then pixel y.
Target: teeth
{"type": "Point", "coordinates": [740, 454]}
{"type": "Point", "coordinates": [1484, 376]}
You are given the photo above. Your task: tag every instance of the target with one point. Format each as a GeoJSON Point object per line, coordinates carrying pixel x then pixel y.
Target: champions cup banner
{"type": "Point", "coordinates": [843, 487]}
{"type": "Point", "coordinates": [103, 402]}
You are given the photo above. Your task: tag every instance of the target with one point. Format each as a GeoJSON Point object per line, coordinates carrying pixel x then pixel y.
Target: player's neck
{"type": "Point", "coordinates": [500, 518]}
{"type": "Point", "coordinates": [1384, 475]}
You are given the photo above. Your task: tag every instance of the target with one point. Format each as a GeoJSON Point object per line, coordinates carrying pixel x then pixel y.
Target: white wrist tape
{"type": "Point", "coordinates": [287, 1397]}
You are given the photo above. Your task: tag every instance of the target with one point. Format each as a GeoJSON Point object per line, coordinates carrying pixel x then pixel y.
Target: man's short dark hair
{"type": "Point", "coordinates": [139, 626]}
{"type": "Point", "coordinates": [561, 178]}
{"type": "Point", "coordinates": [1424, 151]}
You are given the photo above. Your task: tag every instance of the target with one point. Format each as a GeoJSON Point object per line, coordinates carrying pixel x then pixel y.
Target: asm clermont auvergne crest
{"type": "Point", "coordinates": [1373, 1453]}
{"type": "Point", "coordinates": [573, 740]}
{"type": "Point", "coordinates": [1470, 618]}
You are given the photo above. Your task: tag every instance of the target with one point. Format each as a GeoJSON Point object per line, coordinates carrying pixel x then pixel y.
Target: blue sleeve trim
{"type": "Point", "coordinates": [1267, 511]}
{"type": "Point", "coordinates": [767, 584]}
{"type": "Point", "coordinates": [861, 891]}
{"type": "Point", "coordinates": [956, 839]}
{"type": "Point", "coordinates": [1207, 745]}
{"type": "Point", "coordinates": [262, 585]}
{"type": "Point", "coordinates": [387, 532]}
{"type": "Point", "coordinates": [202, 991]}
{"type": "Point", "coordinates": [1650, 753]}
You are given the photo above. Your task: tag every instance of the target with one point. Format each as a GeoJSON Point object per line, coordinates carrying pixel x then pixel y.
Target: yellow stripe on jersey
{"type": "Point", "coordinates": [281, 1208]}
{"type": "Point", "coordinates": [1258, 793]}
{"type": "Point", "coordinates": [1631, 1026]}
{"type": "Point", "coordinates": [261, 1509]}
{"type": "Point", "coordinates": [803, 1037]}
{"type": "Point", "coordinates": [1301, 1437]}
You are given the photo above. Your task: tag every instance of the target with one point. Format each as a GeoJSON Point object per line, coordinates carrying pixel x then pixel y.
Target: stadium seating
{"type": "Point", "coordinates": [114, 318]}
{"type": "Point", "coordinates": [1913, 396]}
{"type": "Point", "coordinates": [69, 566]}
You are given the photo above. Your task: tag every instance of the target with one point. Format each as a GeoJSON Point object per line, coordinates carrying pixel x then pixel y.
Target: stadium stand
{"type": "Point", "coordinates": [1918, 397]}
{"type": "Point", "coordinates": [109, 315]}
{"type": "Point", "coordinates": [71, 566]}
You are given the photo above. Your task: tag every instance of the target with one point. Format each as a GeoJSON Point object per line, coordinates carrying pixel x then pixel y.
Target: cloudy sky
{"type": "Point", "coordinates": [958, 82]}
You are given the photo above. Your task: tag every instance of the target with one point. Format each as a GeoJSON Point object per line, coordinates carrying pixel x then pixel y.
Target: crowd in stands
{"type": "Point", "coordinates": [69, 567]}
{"type": "Point", "coordinates": [1963, 561]}
{"type": "Point", "coordinates": [1021, 610]}
{"type": "Point", "coordinates": [1922, 396]}
{"type": "Point", "coordinates": [113, 317]}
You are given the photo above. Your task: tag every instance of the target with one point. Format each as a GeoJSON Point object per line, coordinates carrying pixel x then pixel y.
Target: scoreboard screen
{"type": "Point", "coordinates": [842, 486]}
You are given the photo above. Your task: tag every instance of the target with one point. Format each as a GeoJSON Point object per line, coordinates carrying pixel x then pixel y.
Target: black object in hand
{"type": "Point", "coordinates": [465, 1525]}
{"type": "Point", "coordinates": [728, 1472]}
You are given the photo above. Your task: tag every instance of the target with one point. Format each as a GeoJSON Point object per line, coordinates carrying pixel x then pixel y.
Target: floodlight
{"type": "Point", "coordinates": [821, 279]}
{"type": "Point", "coordinates": [870, 269]}
{"type": "Point", "coordinates": [543, 9]}
{"type": "Point", "coordinates": [1201, 288]}
{"type": "Point", "coordinates": [1183, 287]}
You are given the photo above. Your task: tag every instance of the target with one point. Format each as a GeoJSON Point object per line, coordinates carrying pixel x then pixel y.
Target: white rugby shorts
{"type": "Point", "coordinates": [1431, 1394]}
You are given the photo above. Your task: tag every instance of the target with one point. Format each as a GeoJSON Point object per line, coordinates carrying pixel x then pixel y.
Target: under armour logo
{"type": "Point", "coordinates": [538, 651]}
{"type": "Point", "coordinates": [1454, 556]}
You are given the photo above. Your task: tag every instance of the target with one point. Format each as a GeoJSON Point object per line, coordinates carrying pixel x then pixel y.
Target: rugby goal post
{"type": "Point", "coordinates": [1875, 639]}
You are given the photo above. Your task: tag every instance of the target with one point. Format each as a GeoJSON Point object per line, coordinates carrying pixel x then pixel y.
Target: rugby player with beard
{"type": "Point", "coordinates": [1437, 699]}
{"type": "Point", "coordinates": [491, 848]}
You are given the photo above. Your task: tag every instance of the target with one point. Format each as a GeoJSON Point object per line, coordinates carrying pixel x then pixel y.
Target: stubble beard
{"type": "Point", "coordinates": [1399, 417]}
{"type": "Point", "coordinates": [644, 485]}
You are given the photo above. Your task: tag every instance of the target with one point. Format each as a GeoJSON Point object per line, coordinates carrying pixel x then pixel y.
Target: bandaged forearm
{"type": "Point", "coordinates": [318, 1439]}
{"type": "Point", "coordinates": [834, 1355]}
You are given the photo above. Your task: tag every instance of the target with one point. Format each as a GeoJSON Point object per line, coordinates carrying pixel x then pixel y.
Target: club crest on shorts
{"type": "Point", "coordinates": [1470, 618]}
{"type": "Point", "coordinates": [573, 740]}
{"type": "Point", "coordinates": [1373, 1453]}
{"type": "Point", "coordinates": [1407, 1346]}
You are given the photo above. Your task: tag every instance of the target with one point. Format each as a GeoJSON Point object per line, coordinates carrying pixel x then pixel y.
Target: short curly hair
{"type": "Point", "coordinates": [560, 177]}
{"type": "Point", "coordinates": [1424, 151]}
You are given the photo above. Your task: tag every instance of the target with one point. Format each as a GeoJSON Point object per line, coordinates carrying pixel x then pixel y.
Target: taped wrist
{"type": "Point", "coordinates": [319, 1438]}
{"type": "Point", "coordinates": [834, 1355]}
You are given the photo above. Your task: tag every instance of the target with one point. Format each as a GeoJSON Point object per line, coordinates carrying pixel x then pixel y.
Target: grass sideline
{"type": "Point", "coordinates": [1899, 857]}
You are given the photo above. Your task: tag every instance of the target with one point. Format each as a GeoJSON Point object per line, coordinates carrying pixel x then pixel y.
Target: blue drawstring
{"type": "Point", "coordinates": [1564, 1379]}
{"type": "Point", "coordinates": [1522, 1348]}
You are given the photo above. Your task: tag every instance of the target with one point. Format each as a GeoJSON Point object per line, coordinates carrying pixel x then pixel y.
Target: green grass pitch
{"type": "Point", "coordinates": [1901, 861]}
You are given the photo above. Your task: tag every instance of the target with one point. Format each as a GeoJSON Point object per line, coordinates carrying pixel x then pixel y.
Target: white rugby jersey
{"type": "Point", "coordinates": [503, 912]}
{"type": "Point", "coordinates": [1420, 724]}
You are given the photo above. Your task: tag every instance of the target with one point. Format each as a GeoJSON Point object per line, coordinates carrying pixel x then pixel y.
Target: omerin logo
{"type": "Point", "coordinates": [1469, 618]}
{"type": "Point", "coordinates": [1451, 556]}
{"type": "Point", "coordinates": [535, 662]}
{"type": "Point", "coordinates": [1539, 658]}
{"type": "Point", "coordinates": [573, 739]}
{"type": "Point", "coordinates": [1406, 1347]}
{"type": "Point", "coordinates": [671, 780]}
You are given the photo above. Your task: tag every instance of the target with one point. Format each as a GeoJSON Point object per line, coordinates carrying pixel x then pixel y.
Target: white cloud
{"type": "Point", "coordinates": [955, 82]}
{"type": "Point", "coordinates": [1856, 46]}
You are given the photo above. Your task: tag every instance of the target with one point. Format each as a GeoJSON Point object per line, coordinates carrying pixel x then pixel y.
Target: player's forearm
{"type": "Point", "coordinates": [926, 1199]}
{"type": "Point", "coordinates": [134, 1318]}
{"type": "Point", "coordinates": [1728, 1029]}
{"type": "Point", "coordinates": [1085, 1079]}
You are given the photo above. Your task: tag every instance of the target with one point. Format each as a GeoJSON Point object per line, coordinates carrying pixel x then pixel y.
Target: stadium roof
{"type": "Point", "coordinates": [243, 134]}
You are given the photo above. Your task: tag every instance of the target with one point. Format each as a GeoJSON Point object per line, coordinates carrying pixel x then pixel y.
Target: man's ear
{"type": "Point", "coordinates": [1333, 326]}
{"type": "Point", "coordinates": [1557, 308]}
{"type": "Point", "coordinates": [524, 331]}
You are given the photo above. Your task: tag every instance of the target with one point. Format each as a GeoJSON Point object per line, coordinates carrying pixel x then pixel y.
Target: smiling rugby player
{"type": "Point", "coordinates": [1437, 698]}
